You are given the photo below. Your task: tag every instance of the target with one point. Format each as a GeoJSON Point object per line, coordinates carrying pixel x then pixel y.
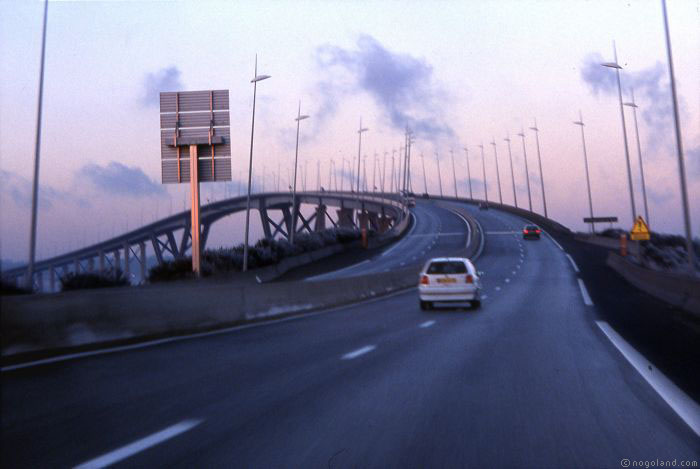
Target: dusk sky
{"type": "Point", "coordinates": [458, 73]}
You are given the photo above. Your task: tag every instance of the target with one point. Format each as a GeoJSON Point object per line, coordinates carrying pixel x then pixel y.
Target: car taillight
{"type": "Point", "coordinates": [524, 231]}
{"type": "Point", "coordinates": [470, 279]}
{"type": "Point", "coordinates": [538, 231]}
{"type": "Point", "coordinates": [424, 280]}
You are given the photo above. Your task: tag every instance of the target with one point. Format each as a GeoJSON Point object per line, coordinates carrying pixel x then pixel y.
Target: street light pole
{"type": "Point", "coordinates": [469, 173]}
{"type": "Point", "coordinates": [384, 169]}
{"type": "Point", "coordinates": [634, 106]}
{"type": "Point", "coordinates": [585, 160]}
{"type": "Point", "coordinates": [359, 151]}
{"type": "Point", "coordinates": [512, 174]}
{"type": "Point", "coordinates": [617, 68]}
{"type": "Point", "coordinates": [293, 224]}
{"type": "Point", "coordinates": [527, 170]}
{"type": "Point", "coordinates": [498, 173]}
{"type": "Point", "coordinates": [454, 173]}
{"type": "Point", "coordinates": [539, 160]}
{"type": "Point", "coordinates": [254, 81]}
{"type": "Point", "coordinates": [37, 153]}
{"type": "Point", "coordinates": [483, 167]}
{"type": "Point", "coordinates": [374, 172]}
{"type": "Point", "coordinates": [679, 146]}
{"type": "Point", "coordinates": [425, 179]}
{"type": "Point", "coordinates": [437, 158]}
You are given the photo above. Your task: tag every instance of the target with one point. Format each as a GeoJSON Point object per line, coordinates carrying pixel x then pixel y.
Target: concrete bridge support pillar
{"type": "Point", "coordinates": [91, 264]}
{"type": "Point", "coordinates": [363, 217]}
{"type": "Point", "coordinates": [52, 278]}
{"type": "Point", "coordinates": [117, 262]}
{"type": "Point", "coordinates": [384, 223]}
{"type": "Point", "coordinates": [101, 257]}
{"type": "Point", "coordinates": [345, 216]}
{"type": "Point", "coordinates": [40, 281]}
{"type": "Point", "coordinates": [373, 220]}
{"type": "Point", "coordinates": [127, 267]}
{"type": "Point", "coordinates": [320, 221]}
{"type": "Point", "coordinates": [76, 266]}
{"type": "Point", "coordinates": [142, 252]}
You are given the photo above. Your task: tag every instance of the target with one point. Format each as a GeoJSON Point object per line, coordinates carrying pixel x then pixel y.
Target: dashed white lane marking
{"type": "Point", "coordinates": [498, 288]}
{"type": "Point", "coordinates": [427, 324]}
{"type": "Point", "coordinates": [501, 232]}
{"type": "Point", "coordinates": [681, 403]}
{"type": "Point", "coordinates": [358, 352]}
{"type": "Point", "coordinates": [483, 297]}
{"type": "Point", "coordinates": [517, 266]}
{"type": "Point", "coordinates": [513, 272]}
{"type": "Point", "coordinates": [584, 293]}
{"type": "Point", "coordinates": [573, 264]}
{"type": "Point", "coordinates": [422, 252]}
{"type": "Point", "coordinates": [403, 263]}
{"type": "Point", "coordinates": [507, 280]}
{"type": "Point", "coordinates": [143, 444]}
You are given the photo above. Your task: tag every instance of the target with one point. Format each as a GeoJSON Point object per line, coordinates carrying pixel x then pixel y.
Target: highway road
{"type": "Point", "coordinates": [529, 379]}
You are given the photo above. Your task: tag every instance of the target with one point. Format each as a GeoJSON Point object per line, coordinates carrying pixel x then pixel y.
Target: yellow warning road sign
{"type": "Point", "coordinates": [640, 231]}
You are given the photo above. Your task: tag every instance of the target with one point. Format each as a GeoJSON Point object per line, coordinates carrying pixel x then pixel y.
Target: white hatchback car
{"type": "Point", "coordinates": [449, 280]}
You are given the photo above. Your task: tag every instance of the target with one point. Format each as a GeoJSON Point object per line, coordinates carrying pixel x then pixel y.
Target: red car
{"type": "Point", "coordinates": [531, 231]}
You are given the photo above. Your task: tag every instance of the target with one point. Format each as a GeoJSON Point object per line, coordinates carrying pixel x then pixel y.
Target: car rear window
{"type": "Point", "coordinates": [447, 267]}
{"type": "Point", "coordinates": [531, 228]}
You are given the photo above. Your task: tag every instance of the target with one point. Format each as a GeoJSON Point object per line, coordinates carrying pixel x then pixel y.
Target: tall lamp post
{"type": "Point", "coordinates": [425, 179]}
{"type": "Point", "coordinates": [634, 106]}
{"type": "Point", "coordinates": [293, 228]}
{"type": "Point", "coordinates": [585, 161]}
{"type": "Point", "coordinates": [527, 170]}
{"type": "Point", "coordinates": [469, 172]}
{"type": "Point", "coordinates": [483, 167]}
{"type": "Point", "coordinates": [498, 173]}
{"type": "Point", "coordinates": [437, 158]}
{"type": "Point", "coordinates": [359, 151]}
{"type": "Point", "coordinates": [617, 68]}
{"type": "Point", "coordinates": [512, 174]}
{"type": "Point", "coordinates": [539, 160]}
{"type": "Point", "coordinates": [454, 173]}
{"type": "Point", "coordinates": [254, 81]}
{"type": "Point", "coordinates": [679, 147]}
{"type": "Point", "coordinates": [37, 150]}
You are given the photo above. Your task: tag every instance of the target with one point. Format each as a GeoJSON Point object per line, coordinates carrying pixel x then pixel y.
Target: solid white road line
{"type": "Point", "coordinates": [331, 274]}
{"type": "Point", "coordinates": [553, 240]}
{"type": "Point", "coordinates": [427, 324]}
{"type": "Point", "coordinates": [500, 232]}
{"type": "Point", "coordinates": [584, 293]}
{"type": "Point", "coordinates": [143, 444]}
{"type": "Point", "coordinates": [358, 352]}
{"type": "Point", "coordinates": [681, 403]}
{"type": "Point", "coordinates": [469, 230]}
{"type": "Point", "coordinates": [573, 264]}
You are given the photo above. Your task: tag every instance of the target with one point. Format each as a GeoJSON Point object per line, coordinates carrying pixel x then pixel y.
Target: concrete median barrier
{"type": "Point", "coordinates": [681, 291]}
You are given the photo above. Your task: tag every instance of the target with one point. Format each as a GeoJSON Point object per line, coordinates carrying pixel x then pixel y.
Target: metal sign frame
{"type": "Point", "coordinates": [198, 120]}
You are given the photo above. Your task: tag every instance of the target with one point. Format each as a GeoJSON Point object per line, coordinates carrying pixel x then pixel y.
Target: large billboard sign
{"type": "Point", "coordinates": [195, 118]}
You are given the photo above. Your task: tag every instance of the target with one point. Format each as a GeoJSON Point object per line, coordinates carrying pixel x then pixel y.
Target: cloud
{"type": "Point", "coordinates": [19, 189]}
{"type": "Point", "coordinates": [650, 85]}
{"type": "Point", "coordinates": [165, 79]}
{"type": "Point", "coordinates": [400, 84]}
{"type": "Point", "coordinates": [118, 179]}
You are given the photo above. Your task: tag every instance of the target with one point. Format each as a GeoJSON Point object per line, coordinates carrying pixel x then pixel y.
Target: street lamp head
{"type": "Point", "coordinates": [362, 130]}
{"type": "Point", "coordinates": [301, 118]}
{"type": "Point", "coordinates": [534, 128]}
{"type": "Point", "coordinates": [611, 65]}
{"type": "Point", "coordinates": [520, 134]}
{"type": "Point", "coordinates": [507, 139]}
{"type": "Point", "coordinates": [260, 78]}
{"type": "Point", "coordinates": [630, 104]}
{"type": "Point", "coordinates": [579, 123]}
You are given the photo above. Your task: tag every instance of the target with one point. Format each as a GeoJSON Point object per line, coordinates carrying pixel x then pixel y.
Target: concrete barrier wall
{"type": "Point", "coordinates": [682, 291]}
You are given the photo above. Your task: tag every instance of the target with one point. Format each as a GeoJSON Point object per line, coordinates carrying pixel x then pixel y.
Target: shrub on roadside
{"type": "Point", "coordinates": [86, 281]}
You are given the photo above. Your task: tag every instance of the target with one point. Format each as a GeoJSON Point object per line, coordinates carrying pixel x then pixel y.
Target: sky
{"type": "Point", "coordinates": [459, 74]}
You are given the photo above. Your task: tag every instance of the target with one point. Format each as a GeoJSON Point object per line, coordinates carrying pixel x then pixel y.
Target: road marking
{"type": "Point", "coordinates": [507, 280]}
{"type": "Point", "coordinates": [498, 288]}
{"type": "Point", "coordinates": [358, 352]}
{"type": "Point", "coordinates": [137, 446]}
{"type": "Point", "coordinates": [331, 274]}
{"type": "Point", "coordinates": [483, 297]}
{"type": "Point", "coordinates": [517, 266]}
{"type": "Point", "coordinates": [681, 403]}
{"type": "Point", "coordinates": [427, 324]}
{"type": "Point", "coordinates": [424, 235]}
{"type": "Point", "coordinates": [403, 263]}
{"type": "Point", "coordinates": [584, 293]}
{"type": "Point", "coordinates": [469, 230]}
{"type": "Point", "coordinates": [500, 232]}
{"type": "Point", "coordinates": [573, 264]}
{"type": "Point", "coordinates": [513, 272]}
{"type": "Point", "coordinates": [398, 243]}
{"type": "Point", "coordinates": [554, 240]}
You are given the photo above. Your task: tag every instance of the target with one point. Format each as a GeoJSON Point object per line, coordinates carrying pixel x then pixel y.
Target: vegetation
{"type": "Point", "coordinates": [266, 252]}
{"type": "Point", "coordinates": [7, 288]}
{"type": "Point", "coordinates": [85, 281]}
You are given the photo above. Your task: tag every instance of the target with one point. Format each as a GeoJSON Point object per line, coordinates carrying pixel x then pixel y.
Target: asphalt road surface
{"type": "Point", "coordinates": [527, 380]}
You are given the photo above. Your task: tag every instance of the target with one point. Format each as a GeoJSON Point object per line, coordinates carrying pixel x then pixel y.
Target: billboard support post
{"type": "Point", "coordinates": [194, 203]}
